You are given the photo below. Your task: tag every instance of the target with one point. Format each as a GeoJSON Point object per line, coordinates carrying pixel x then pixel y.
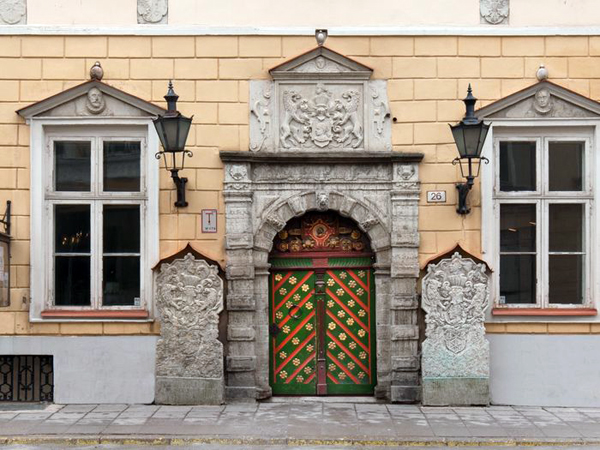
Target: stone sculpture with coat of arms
{"type": "Point", "coordinates": [189, 356]}
{"type": "Point", "coordinates": [455, 358]}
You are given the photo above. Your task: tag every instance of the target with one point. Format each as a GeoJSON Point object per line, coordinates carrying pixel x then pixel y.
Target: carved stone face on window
{"type": "Point", "coordinates": [542, 101]}
{"type": "Point", "coordinates": [95, 101]}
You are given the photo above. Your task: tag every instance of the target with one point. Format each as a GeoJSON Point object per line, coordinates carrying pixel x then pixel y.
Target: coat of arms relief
{"type": "Point", "coordinates": [455, 297]}
{"type": "Point", "coordinates": [315, 116]}
{"type": "Point", "coordinates": [320, 101]}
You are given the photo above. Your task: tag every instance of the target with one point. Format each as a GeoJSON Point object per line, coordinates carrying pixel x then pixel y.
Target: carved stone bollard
{"type": "Point", "coordinates": [189, 356]}
{"type": "Point", "coordinates": [456, 354]}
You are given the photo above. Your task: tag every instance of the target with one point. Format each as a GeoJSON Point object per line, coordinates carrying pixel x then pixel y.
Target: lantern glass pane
{"type": "Point", "coordinates": [171, 128]}
{"type": "Point", "coordinates": [458, 134]}
{"type": "Point", "coordinates": [184, 128]}
{"type": "Point", "coordinates": [471, 134]}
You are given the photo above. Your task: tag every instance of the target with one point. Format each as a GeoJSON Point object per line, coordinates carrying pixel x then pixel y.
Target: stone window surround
{"type": "Point", "coordinates": [580, 129]}
{"type": "Point", "coordinates": [254, 217]}
{"type": "Point", "coordinates": [40, 262]}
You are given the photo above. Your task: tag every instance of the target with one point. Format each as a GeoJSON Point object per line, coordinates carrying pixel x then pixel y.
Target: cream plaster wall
{"type": "Point", "coordinates": [312, 14]}
{"type": "Point", "coordinates": [427, 78]}
{"type": "Point", "coordinates": [81, 12]}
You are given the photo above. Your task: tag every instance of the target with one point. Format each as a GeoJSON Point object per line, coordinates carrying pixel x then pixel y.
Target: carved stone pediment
{"type": "Point", "coordinates": [321, 63]}
{"type": "Point", "coordinates": [320, 101]}
{"type": "Point", "coordinates": [542, 100]}
{"type": "Point", "coordinates": [93, 98]}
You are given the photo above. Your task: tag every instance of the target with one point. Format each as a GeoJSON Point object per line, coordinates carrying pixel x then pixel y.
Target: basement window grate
{"type": "Point", "coordinates": [26, 378]}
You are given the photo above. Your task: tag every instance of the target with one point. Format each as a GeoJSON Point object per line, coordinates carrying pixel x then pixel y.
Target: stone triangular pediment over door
{"type": "Point", "coordinates": [320, 101]}
{"type": "Point", "coordinates": [543, 100]}
{"type": "Point", "coordinates": [92, 99]}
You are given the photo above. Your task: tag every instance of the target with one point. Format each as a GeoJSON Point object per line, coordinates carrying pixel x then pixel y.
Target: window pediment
{"type": "Point", "coordinates": [92, 98]}
{"type": "Point", "coordinates": [541, 101]}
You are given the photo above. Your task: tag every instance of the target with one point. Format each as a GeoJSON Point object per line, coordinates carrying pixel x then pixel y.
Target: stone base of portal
{"type": "Point", "coordinates": [189, 391]}
{"type": "Point", "coordinates": [456, 391]}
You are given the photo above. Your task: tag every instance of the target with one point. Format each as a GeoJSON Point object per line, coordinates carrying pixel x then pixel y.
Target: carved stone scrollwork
{"type": "Point", "coordinates": [261, 110]}
{"type": "Point", "coordinates": [380, 111]}
{"type": "Point", "coordinates": [369, 223]}
{"type": "Point", "coordinates": [13, 12]}
{"type": "Point", "coordinates": [275, 222]}
{"type": "Point", "coordinates": [189, 356]}
{"type": "Point", "coordinates": [455, 296]}
{"type": "Point", "coordinates": [152, 11]}
{"type": "Point", "coordinates": [406, 172]}
{"type": "Point", "coordinates": [494, 11]}
{"type": "Point", "coordinates": [238, 172]}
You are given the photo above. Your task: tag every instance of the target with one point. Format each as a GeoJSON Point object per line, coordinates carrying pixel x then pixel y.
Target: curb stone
{"type": "Point", "coordinates": [181, 441]}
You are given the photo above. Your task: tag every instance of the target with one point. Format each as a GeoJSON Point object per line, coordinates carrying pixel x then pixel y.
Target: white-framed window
{"type": "Point", "coordinates": [542, 185]}
{"type": "Point", "coordinates": [94, 220]}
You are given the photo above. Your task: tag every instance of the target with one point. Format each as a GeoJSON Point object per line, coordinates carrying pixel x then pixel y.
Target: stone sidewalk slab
{"type": "Point", "coordinates": [302, 424]}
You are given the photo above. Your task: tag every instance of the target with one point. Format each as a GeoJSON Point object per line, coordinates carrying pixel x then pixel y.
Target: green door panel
{"type": "Point", "coordinates": [293, 339]}
{"type": "Point", "coordinates": [350, 331]}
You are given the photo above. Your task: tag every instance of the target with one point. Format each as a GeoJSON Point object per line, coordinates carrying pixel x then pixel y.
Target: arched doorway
{"type": "Point", "coordinates": [322, 308]}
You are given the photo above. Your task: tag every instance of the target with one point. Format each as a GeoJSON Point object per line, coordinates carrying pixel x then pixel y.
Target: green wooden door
{"type": "Point", "coordinates": [322, 327]}
{"type": "Point", "coordinates": [350, 331]}
{"type": "Point", "coordinates": [293, 332]}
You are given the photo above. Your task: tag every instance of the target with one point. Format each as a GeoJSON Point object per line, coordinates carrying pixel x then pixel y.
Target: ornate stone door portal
{"type": "Point", "coordinates": [320, 140]}
{"type": "Point", "coordinates": [322, 309]}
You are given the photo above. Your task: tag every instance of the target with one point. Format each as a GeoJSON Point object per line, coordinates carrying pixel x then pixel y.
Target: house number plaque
{"type": "Point", "coordinates": [436, 196]}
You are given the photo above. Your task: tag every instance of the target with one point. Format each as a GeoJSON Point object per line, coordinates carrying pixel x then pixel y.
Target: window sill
{"type": "Point", "coordinates": [544, 312]}
{"type": "Point", "coordinates": [138, 314]}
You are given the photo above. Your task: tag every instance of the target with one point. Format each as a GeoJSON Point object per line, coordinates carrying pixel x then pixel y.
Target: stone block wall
{"type": "Point", "coordinates": [428, 76]}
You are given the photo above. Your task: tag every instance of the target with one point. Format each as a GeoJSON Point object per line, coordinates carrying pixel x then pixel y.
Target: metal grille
{"type": "Point", "coordinates": [26, 378]}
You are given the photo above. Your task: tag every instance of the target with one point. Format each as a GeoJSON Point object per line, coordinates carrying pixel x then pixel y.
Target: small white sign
{"type": "Point", "coordinates": [436, 196]}
{"type": "Point", "coordinates": [209, 220]}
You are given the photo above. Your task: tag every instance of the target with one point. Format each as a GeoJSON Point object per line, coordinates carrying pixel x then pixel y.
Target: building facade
{"type": "Point", "coordinates": [329, 171]}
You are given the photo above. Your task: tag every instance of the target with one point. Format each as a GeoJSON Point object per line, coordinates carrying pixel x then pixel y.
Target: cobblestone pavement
{"type": "Point", "coordinates": [285, 425]}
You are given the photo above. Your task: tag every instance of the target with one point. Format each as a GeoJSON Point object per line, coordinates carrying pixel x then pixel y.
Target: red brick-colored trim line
{"type": "Point", "coordinates": [78, 314]}
{"type": "Point", "coordinates": [544, 312]}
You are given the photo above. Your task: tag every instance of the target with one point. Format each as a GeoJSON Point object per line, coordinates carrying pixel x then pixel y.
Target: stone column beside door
{"type": "Point", "coordinates": [189, 356]}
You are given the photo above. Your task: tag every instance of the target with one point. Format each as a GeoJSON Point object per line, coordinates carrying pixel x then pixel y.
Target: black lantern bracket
{"type": "Point", "coordinates": [469, 136]}
{"type": "Point", "coordinates": [5, 221]}
{"type": "Point", "coordinates": [172, 129]}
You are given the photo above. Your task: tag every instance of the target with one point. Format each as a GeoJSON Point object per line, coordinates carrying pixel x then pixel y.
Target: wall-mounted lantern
{"type": "Point", "coordinates": [173, 129]}
{"type": "Point", "coordinates": [469, 136]}
{"type": "Point", "coordinates": [5, 257]}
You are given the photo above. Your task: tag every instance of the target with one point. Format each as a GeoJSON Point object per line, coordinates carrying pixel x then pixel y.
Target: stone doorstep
{"type": "Point", "coordinates": [323, 399]}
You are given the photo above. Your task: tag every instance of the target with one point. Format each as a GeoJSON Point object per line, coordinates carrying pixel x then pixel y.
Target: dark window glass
{"type": "Point", "coordinates": [121, 166]}
{"type": "Point", "coordinates": [566, 227]}
{"type": "Point", "coordinates": [517, 166]}
{"type": "Point", "coordinates": [517, 279]}
{"type": "Point", "coordinates": [566, 279]}
{"type": "Point", "coordinates": [71, 228]}
{"type": "Point", "coordinates": [121, 280]}
{"type": "Point", "coordinates": [72, 280]}
{"type": "Point", "coordinates": [121, 229]}
{"type": "Point", "coordinates": [72, 165]}
{"type": "Point", "coordinates": [566, 166]}
{"type": "Point", "coordinates": [517, 228]}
